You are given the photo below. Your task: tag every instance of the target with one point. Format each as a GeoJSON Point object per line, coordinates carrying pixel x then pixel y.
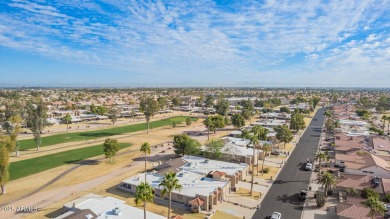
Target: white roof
{"type": "Point", "coordinates": [237, 146]}
{"type": "Point", "coordinates": [243, 142]}
{"type": "Point", "coordinates": [191, 182]}
{"type": "Point", "coordinates": [352, 122]}
{"type": "Point", "coordinates": [103, 207]}
{"type": "Point", "coordinates": [199, 165]}
{"type": "Point", "coordinates": [271, 122]}
{"type": "Point", "coordinates": [192, 176]}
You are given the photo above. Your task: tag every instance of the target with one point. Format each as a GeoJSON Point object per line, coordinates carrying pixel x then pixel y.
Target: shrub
{"type": "Point", "coordinates": [266, 170]}
{"type": "Point", "coordinates": [320, 199]}
{"type": "Point", "coordinates": [387, 198]}
{"type": "Point", "coordinates": [369, 192]}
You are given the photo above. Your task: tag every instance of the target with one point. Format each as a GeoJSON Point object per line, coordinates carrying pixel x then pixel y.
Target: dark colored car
{"type": "Point", "coordinates": [303, 194]}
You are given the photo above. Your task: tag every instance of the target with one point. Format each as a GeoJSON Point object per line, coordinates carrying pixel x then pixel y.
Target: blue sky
{"type": "Point", "coordinates": [195, 43]}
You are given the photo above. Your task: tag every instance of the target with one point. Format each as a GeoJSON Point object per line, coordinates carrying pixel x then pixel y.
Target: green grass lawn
{"type": "Point", "coordinates": [80, 136]}
{"type": "Point", "coordinates": [23, 168]}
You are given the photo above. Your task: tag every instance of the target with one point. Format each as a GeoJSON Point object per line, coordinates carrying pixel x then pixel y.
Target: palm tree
{"type": "Point", "coordinates": [266, 148]}
{"type": "Point", "coordinates": [68, 119]}
{"type": "Point", "coordinates": [143, 194]}
{"type": "Point", "coordinates": [388, 125]}
{"type": "Point", "coordinates": [328, 181]}
{"type": "Point", "coordinates": [145, 147]}
{"type": "Point", "coordinates": [375, 206]}
{"type": "Point", "coordinates": [261, 133]}
{"type": "Point", "coordinates": [320, 157]}
{"type": "Point", "coordinates": [384, 119]}
{"type": "Point", "coordinates": [254, 141]}
{"type": "Point", "coordinates": [169, 183]}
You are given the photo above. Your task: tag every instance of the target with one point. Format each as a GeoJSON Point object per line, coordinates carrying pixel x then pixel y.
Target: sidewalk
{"type": "Point", "coordinates": [310, 209]}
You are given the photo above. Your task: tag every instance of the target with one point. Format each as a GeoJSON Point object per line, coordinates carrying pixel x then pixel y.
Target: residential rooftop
{"type": "Point", "coordinates": [104, 208]}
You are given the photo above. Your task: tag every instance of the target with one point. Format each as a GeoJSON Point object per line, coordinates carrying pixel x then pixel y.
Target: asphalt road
{"type": "Point", "coordinates": [283, 194]}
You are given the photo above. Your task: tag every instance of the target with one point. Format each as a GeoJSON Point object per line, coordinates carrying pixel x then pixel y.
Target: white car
{"type": "Point", "coordinates": [309, 166]}
{"type": "Point", "coordinates": [276, 215]}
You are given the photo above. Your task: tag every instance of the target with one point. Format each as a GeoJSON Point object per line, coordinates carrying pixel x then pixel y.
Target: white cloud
{"type": "Point", "coordinates": [187, 36]}
{"type": "Point", "coordinates": [371, 37]}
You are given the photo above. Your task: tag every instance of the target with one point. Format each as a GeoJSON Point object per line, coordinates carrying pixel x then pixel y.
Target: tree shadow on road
{"type": "Point", "coordinates": [292, 199]}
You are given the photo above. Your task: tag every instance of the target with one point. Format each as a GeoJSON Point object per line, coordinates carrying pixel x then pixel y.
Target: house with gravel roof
{"type": "Point", "coordinates": [92, 206]}
{"type": "Point", "coordinates": [204, 182]}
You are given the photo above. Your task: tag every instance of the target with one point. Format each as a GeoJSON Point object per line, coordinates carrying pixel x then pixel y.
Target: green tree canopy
{"type": "Point", "coordinates": [214, 148]}
{"type": "Point", "coordinates": [222, 107]}
{"type": "Point", "coordinates": [238, 121]}
{"type": "Point", "coordinates": [297, 121]}
{"type": "Point", "coordinates": [149, 107]}
{"type": "Point", "coordinates": [36, 120]}
{"type": "Point", "coordinates": [176, 101]}
{"type": "Point", "coordinates": [188, 121]}
{"type": "Point", "coordinates": [283, 134]}
{"type": "Point", "coordinates": [110, 148]}
{"type": "Point", "coordinates": [375, 205]}
{"type": "Point", "coordinates": [4, 168]}
{"type": "Point", "coordinates": [162, 102]}
{"type": "Point", "coordinates": [183, 144]}
{"type": "Point", "coordinates": [209, 101]}
{"type": "Point", "coordinates": [113, 114]}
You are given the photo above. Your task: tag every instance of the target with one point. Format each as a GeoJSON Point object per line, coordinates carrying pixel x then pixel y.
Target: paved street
{"type": "Point", "coordinates": [283, 194]}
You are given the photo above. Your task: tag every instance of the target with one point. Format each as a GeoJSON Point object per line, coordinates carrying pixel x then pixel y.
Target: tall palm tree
{"type": "Point", "coordinates": [261, 133]}
{"type": "Point", "coordinates": [169, 183]}
{"type": "Point", "coordinates": [328, 181]}
{"type": "Point", "coordinates": [375, 206]}
{"type": "Point", "coordinates": [67, 119]}
{"type": "Point", "coordinates": [384, 119]}
{"type": "Point", "coordinates": [145, 147]}
{"type": "Point", "coordinates": [144, 194]}
{"type": "Point", "coordinates": [254, 141]}
{"type": "Point", "coordinates": [266, 148]}
{"type": "Point", "coordinates": [388, 125]}
{"type": "Point", "coordinates": [320, 157]}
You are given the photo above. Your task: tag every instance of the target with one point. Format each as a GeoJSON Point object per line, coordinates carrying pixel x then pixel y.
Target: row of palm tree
{"type": "Point", "coordinates": [259, 134]}
{"type": "Point", "coordinates": [145, 192]}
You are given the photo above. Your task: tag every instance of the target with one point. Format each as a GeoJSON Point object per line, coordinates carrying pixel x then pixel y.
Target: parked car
{"type": "Point", "coordinates": [275, 153]}
{"type": "Point", "coordinates": [276, 215]}
{"type": "Point", "coordinates": [309, 166]}
{"type": "Point", "coordinates": [303, 194]}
